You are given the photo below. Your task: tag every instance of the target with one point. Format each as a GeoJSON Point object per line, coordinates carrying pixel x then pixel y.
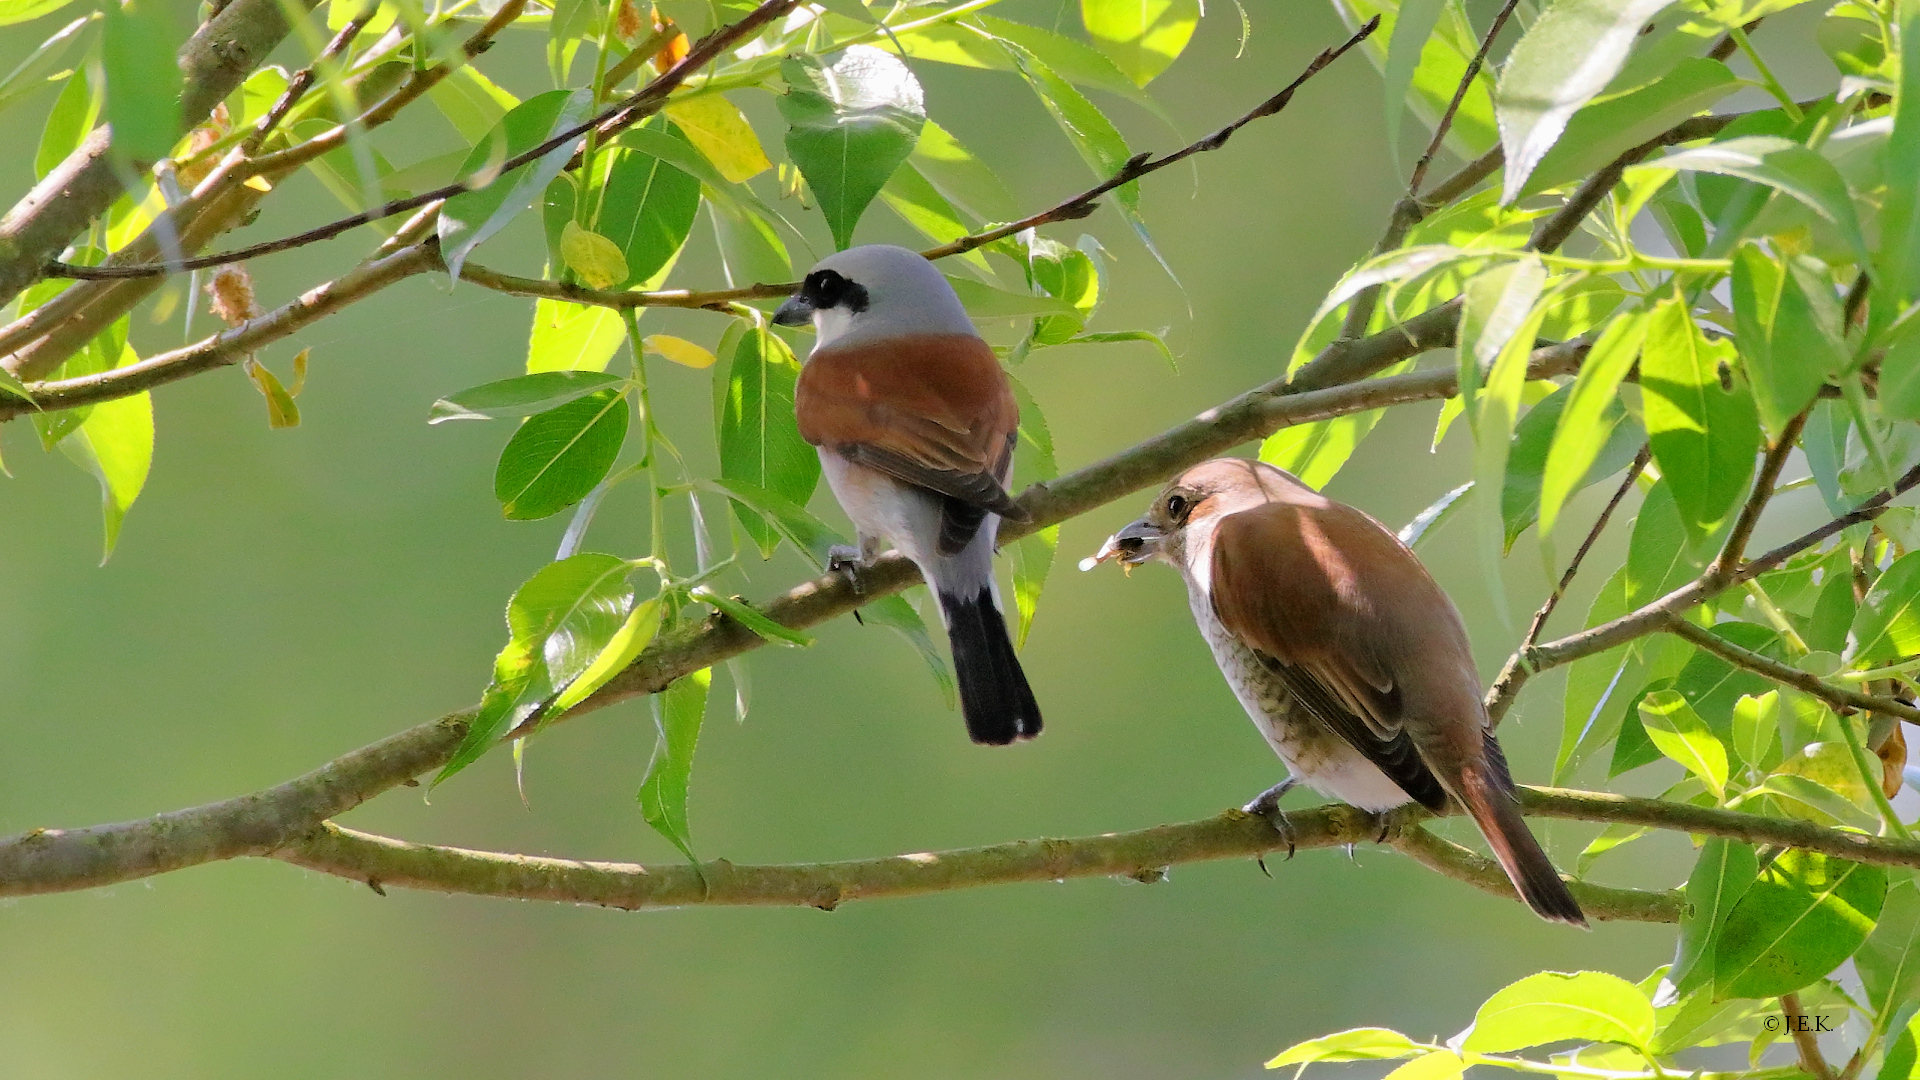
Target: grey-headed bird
{"type": "Point", "coordinates": [1343, 650]}
{"type": "Point", "coordinates": [916, 423]}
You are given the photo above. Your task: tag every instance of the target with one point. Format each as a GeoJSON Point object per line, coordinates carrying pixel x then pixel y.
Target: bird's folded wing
{"type": "Point", "coordinates": [1288, 580]}
{"type": "Point", "coordinates": [935, 411]}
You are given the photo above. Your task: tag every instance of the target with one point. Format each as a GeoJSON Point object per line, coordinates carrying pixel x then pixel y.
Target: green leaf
{"type": "Point", "coordinates": [739, 611]}
{"type": "Point", "coordinates": [1033, 463]}
{"type": "Point", "coordinates": [1897, 263]}
{"type": "Point", "coordinates": [1704, 435]}
{"type": "Point", "coordinates": [1887, 627]}
{"type": "Point", "coordinates": [1820, 782]}
{"type": "Point", "coordinates": [625, 646]}
{"type": "Point", "coordinates": [595, 260]}
{"type": "Point", "coordinates": [851, 124]}
{"type": "Point", "coordinates": [565, 614]}
{"type": "Point", "coordinates": [572, 337]}
{"type": "Point", "coordinates": [921, 205]}
{"type": "Point", "coordinates": [1789, 331]}
{"type": "Point", "coordinates": [1683, 737]}
{"type": "Point", "coordinates": [717, 128]}
{"type": "Point", "coordinates": [1435, 515]}
{"type": "Point", "coordinates": [960, 175]}
{"type": "Point", "coordinates": [115, 444]}
{"type": "Point", "coordinates": [46, 63]}
{"type": "Point", "coordinates": [74, 113]}
{"type": "Point", "coordinates": [1889, 961]}
{"type": "Point", "coordinates": [522, 395]}
{"type": "Point", "coordinates": [760, 443]}
{"type": "Point", "coordinates": [983, 302]}
{"type": "Point", "coordinates": [471, 103]}
{"type": "Point", "coordinates": [1620, 439]}
{"type": "Point", "coordinates": [1553, 1006]}
{"type": "Point", "coordinates": [1439, 1065]}
{"type": "Point", "coordinates": [1756, 730]}
{"type": "Point", "coordinates": [1412, 26]}
{"type": "Point", "coordinates": [16, 11]}
{"type": "Point", "coordinates": [1567, 56]}
{"type": "Point", "coordinates": [1497, 304]}
{"type": "Point", "coordinates": [678, 713]}
{"type": "Point", "coordinates": [1604, 130]}
{"type": "Point", "coordinates": [559, 455]}
{"type": "Point", "coordinates": [1093, 136]}
{"type": "Point", "coordinates": [1357, 1044]}
{"type": "Point", "coordinates": [1070, 58]}
{"type": "Point", "coordinates": [896, 614]}
{"type": "Point", "coordinates": [471, 217]}
{"type": "Point", "coordinates": [1584, 430]}
{"type": "Point", "coordinates": [1314, 452]}
{"type": "Point", "coordinates": [1788, 167]}
{"type": "Point", "coordinates": [1803, 917]}
{"type": "Point", "coordinates": [1141, 37]}
{"type": "Point", "coordinates": [647, 208]}
{"type": "Point", "coordinates": [1721, 876]}
{"type": "Point", "coordinates": [791, 521]}
{"type": "Point", "coordinates": [143, 79]}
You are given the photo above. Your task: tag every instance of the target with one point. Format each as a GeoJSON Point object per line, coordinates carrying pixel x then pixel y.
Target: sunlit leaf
{"type": "Point", "coordinates": [1804, 915]}
{"type": "Point", "coordinates": [716, 127]}
{"type": "Point", "coordinates": [1897, 263]}
{"type": "Point", "coordinates": [1412, 26]}
{"type": "Point", "coordinates": [1889, 961]}
{"type": "Point", "coordinates": [1314, 452]}
{"type": "Point", "coordinates": [572, 337]}
{"type": "Point", "coordinates": [1358, 1044]}
{"type": "Point", "coordinates": [1435, 515]}
{"type": "Point", "coordinates": [1439, 1065]}
{"type": "Point", "coordinates": [115, 444]}
{"type": "Point", "coordinates": [1788, 167]}
{"type": "Point", "coordinates": [1567, 56]}
{"type": "Point", "coordinates": [1033, 554]}
{"type": "Point", "coordinates": [646, 207]}
{"type": "Point", "coordinates": [282, 412]}
{"type": "Point", "coordinates": [679, 350]}
{"type": "Point", "coordinates": [15, 11]}
{"type": "Point", "coordinates": [597, 260]}
{"type": "Point", "coordinates": [1583, 431]}
{"type": "Point", "coordinates": [1620, 439]}
{"type": "Point", "coordinates": [1683, 737]}
{"type": "Point", "coordinates": [1704, 430]}
{"type": "Point", "coordinates": [626, 645]}
{"type": "Point", "coordinates": [1141, 37]}
{"type": "Point", "coordinates": [559, 455]}
{"type": "Point", "coordinates": [1553, 1006]}
{"type": "Point", "coordinates": [1790, 335]}
{"type": "Point", "coordinates": [1888, 624]}
{"type": "Point", "coordinates": [851, 124]}
{"type": "Point", "coordinates": [1602, 131]}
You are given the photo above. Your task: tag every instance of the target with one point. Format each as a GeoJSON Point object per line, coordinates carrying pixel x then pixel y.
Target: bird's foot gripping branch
{"type": "Point", "coordinates": [1638, 291]}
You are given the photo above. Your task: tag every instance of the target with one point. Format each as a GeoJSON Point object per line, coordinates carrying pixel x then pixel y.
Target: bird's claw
{"type": "Point", "coordinates": [845, 559]}
{"type": "Point", "coordinates": [1267, 805]}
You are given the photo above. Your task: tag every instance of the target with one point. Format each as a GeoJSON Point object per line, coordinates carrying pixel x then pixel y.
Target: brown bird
{"type": "Point", "coordinates": [915, 422]}
{"type": "Point", "coordinates": [1344, 651]}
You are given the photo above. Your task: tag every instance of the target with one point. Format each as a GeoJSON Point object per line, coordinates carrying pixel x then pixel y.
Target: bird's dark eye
{"type": "Point", "coordinates": [826, 289]}
{"type": "Point", "coordinates": [1177, 506]}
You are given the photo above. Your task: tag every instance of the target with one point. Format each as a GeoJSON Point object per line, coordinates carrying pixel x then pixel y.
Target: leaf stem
{"type": "Point", "coordinates": [1771, 84]}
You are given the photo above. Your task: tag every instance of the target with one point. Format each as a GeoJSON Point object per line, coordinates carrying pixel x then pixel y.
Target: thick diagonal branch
{"type": "Point", "coordinates": [215, 61]}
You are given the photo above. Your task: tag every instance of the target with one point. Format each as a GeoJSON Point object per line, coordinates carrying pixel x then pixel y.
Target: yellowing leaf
{"type": "Point", "coordinates": [281, 411]}
{"type": "Point", "coordinates": [598, 260]}
{"type": "Point", "coordinates": [679, 350]}
{"type": "Point", "coordinates": [717, 129]}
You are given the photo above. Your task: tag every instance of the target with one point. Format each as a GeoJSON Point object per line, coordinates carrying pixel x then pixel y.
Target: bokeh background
{"type": "Point", "coordinates": [279, 598]}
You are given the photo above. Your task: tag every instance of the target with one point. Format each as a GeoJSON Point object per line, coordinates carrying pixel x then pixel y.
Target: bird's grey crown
{"type": "Point", "coordinates": [905, 294]}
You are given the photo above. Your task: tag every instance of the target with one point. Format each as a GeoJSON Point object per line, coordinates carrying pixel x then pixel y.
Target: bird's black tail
{"type": "Point", "coordinates": [994, 695]}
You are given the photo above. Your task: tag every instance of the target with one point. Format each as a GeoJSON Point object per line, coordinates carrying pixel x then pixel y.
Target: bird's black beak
{"type": "Point", "coordinates": [1132, 545]}
{"type": "Point", "coordinates": [795, 312]}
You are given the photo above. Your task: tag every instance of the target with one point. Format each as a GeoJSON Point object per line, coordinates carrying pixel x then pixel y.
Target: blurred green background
{"type": "Point", "coordinates": [279, 598]}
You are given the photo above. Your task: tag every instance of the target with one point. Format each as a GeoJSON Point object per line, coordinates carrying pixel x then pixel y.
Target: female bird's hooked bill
{"type": "Point", "coordinates": [1343, 650]}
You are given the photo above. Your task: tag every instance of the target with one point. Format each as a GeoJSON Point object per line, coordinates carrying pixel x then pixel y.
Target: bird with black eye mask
{"type": "Point", "coordinates": [916, 422]}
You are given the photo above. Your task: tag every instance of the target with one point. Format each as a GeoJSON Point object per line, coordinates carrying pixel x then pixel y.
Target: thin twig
{"type": "Point", "coordinates": [303, 79]}
{"type": "Point", "coordinates": [1500, 697]}
{"type": "Point", "coordinates": [1804, 1039]}
{"type": "Point", "coordinates": [1731, 552]}
{"type": "Point", "coordinates": [1459, 95]}
{"type": "Point", "coordinates": [1842, 699]}
{"type": "Point", "coordinates": [1555, 230]}
{"type": "Point", "coordinates": [717, 299]}
{"type": "Point", "coordinates": [1728, 45]}
{"type": "Point", "coordinates": [613, 120]}
{"type": "Point", "coordinates": [1083, 204]}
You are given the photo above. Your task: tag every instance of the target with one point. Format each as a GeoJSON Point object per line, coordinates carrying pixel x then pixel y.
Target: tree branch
{"type": "Point", "coordinates": [1842, 699]}
{"type": "Point", "coordinates": [1140, 855]}
{"type": "Point", "coordinates": [228, 346]}
{"type": "Point", "coordinates": [1598, 901]}
{"type": "Point", "coordinates": [1727, 562]}
{"type": "Point", "coordinates": [1804, 1040]}
{"type": "Point", "coordinates": [1141, 164]}
{"type": "Point", "coordinates": [215, 61]}
{"type": "Point", "coordinates": [1507, 685]}
{"type": "Point", "coordinates": [615, 119]}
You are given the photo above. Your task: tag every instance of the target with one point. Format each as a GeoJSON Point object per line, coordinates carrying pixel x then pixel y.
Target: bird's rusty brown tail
{"type": "Point", "coordinates": [1487, 792]}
